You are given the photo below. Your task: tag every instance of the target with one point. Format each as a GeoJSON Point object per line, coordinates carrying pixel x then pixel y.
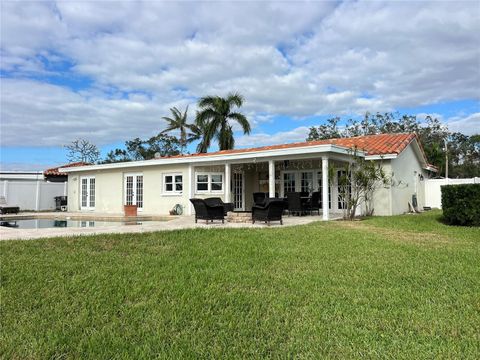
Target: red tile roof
{"type": "Point", "coordinates": [381, 144]}
{"type": "Point", "coordinates": [55, 172]}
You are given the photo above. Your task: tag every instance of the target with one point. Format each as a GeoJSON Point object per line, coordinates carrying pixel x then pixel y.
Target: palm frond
{"type": "Point", "coordinates": [242, 120]}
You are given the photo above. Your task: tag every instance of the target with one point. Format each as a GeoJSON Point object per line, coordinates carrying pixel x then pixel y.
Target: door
{"type": "Point", "coordinates": [238, 191]}
{"type": "Point", "coordinates": [87, 193]}
{"type": "Point", "coordinates": [134, 190]}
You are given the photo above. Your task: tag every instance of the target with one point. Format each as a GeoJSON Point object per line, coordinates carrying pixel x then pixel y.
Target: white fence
{"type": "Point", "coordinates": [433, 191]}
{"type": "Point", "coordinates": [32, 195]}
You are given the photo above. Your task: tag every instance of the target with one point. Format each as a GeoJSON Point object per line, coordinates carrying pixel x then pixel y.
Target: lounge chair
{"type": "Point", "coordinates": [206, 212]}
{"type": "Point", "coordinates": [216, 201]}
{"type": "Point", "coordinates": [271, 211]}
{"type": "Point", "coordinates": [7, 209]}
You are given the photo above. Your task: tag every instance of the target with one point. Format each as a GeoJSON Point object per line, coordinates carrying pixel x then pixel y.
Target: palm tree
{"type": "Point", "coordinates": [215, 114]}
{"type": "Point", "coordinates": [178, 121]}
{"type": "Point", "coordinates": [197, 132]}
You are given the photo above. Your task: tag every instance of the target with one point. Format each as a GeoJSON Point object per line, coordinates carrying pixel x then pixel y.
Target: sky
{"type": "Point", "coordinates": [107, 71]}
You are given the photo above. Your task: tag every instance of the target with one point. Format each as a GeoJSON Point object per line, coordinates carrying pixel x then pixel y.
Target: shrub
{"type": "Point", "coordinates": [461, 204]}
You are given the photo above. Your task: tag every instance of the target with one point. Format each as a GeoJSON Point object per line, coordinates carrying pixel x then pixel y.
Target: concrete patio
{"type": "Point", "coordinates": [153, 223]}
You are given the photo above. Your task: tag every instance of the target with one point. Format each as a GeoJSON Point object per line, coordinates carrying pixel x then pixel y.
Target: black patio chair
{"type": "Point", "coordinates": [216, 201]}
{"type": "Point", "coordinates": [259, 198]}
{"type": "Point", "coordinates": [271, 211]}
{"type": "Point", "coordinates": [314, 204]}
{"type": "Point", "coordinates": [205, 212]}
{"type": "Point", "coordinates": [295, 205]}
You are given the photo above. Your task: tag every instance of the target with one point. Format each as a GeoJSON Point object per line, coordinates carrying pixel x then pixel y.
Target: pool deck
{"type": "Point", "coordinates": [167, 223]}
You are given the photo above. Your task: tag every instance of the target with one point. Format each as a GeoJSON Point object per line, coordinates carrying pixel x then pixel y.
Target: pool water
{"type": "Point", "coordinates": [52, 223]}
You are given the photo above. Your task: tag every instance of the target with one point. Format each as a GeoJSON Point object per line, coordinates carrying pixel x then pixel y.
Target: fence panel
{"type": "Point", "coordinates": [433, 191]}
{"type": "Point", "coordinates": [27, 196]}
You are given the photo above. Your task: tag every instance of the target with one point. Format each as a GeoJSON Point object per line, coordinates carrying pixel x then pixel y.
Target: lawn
{"type": "Point", "coordinates": [398, 287]}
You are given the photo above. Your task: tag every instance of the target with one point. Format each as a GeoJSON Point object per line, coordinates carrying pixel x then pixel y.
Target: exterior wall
{"type": "Point", "coordinates": [407, 170]}
{"type": "Point", "coordinates": [382, 198]}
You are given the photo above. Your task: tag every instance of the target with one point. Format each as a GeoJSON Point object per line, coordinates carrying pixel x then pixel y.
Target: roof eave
{"type": "Point", "coordinates": [311, 149]}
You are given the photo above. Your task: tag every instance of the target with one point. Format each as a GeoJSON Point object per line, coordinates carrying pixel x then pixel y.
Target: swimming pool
{"type": "Point", "coordinates": [68, 223]}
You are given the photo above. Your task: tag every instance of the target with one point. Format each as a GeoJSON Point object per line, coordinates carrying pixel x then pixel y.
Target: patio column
{"type": "Point", "coordinates": [325, 187]}
{"type": "Point", "coordinates": [271, 178]}
{"type": "Point", "coordinates": [227, 182]}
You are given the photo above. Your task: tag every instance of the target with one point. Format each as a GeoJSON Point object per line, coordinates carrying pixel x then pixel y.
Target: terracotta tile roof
{"type": "Point", "coordinates": [54, 171]}
{"type": "Point", "coordinates": [381, 144]}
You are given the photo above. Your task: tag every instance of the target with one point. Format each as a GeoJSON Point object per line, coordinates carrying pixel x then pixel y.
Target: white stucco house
{"type": "Point", "coordinates": [157, 185]}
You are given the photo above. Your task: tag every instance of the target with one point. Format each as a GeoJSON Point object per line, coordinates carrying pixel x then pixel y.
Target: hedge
{"type": "Point", "coordinates": [461, 204]}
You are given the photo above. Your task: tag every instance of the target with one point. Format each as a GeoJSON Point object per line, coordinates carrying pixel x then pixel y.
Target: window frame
{"type": "Point", "coordinates": [209, 182]}
{"type": "Point", "coordinates": [174, 190]}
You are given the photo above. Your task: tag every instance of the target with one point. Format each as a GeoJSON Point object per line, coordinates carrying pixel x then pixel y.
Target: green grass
{"type": "Point", "coordinates": [399, 287]}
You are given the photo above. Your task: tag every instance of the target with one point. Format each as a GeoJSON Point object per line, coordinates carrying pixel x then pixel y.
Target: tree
{"type": "Point", "coordinates": [358, 182]}
{"type": "Point", "coordinates": [82, 150]}
{"type": "Point", "coordinates": [197, 132]}
{"type": "Point", "coordinates": [215, 115]}
{"type": "Point", "coordinates": [138, 149]}
{"type": "Point", "coordinates": [178, 121]}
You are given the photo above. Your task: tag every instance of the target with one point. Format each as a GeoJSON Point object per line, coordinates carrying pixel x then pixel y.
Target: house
{"type": "Point", "coordinates": [55, 175]}
{"type": "Point", "coordinates": [157, 185]}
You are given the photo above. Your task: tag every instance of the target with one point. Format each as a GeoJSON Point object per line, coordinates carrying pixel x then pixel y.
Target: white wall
{"type": "Point", "coordinates": [433, 191]}
{"type": "Point", "coordinates": [27, 196]}
{"type": "Point", "coordinates": [407, 170]}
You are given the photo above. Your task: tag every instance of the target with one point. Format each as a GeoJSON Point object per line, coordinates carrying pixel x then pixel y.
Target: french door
{"type": "Point", "coordinates": [87, 193]}
{"type": "Point", "coordinates": [238, 191]}
{"type": "Point", "coordinates": [133, 190]}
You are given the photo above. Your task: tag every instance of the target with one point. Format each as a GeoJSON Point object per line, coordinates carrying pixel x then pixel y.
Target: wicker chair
{"type": "Point", "coordinates": [205, 212]}
{"type": "Point", "coordinates": [216, 201]}
{"type": "Point", "coordinates": [295, 205]}
{"type": "Point", "coordinates": [259, 198]}
{"type": "Point", "coordinates": [271, 211]}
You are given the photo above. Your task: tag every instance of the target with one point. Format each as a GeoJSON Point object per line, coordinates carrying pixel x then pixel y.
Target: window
{"type": "Point", "coordinates": [288, 183]}
{"type": "Point", "coordinates": [209, 182]}
{"type": "Point", "coordinates": [202, 182]}
{"type": "Point", "coordinates": [173, 183]}
{"type": "Point", "coordinates": [307, 182]}
{"type": "Point", "coordinates": [217, 182]}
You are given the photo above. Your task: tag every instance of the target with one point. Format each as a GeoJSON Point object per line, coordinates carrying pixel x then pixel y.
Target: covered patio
{"type": "Point", "coordinates": [301, 172]}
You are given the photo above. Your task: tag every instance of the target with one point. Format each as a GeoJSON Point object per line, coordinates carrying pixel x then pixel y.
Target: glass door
{"type": "Point", "coordinates": [238, 191]}
{"type": "Point", "coordinates": [87, 193]}
{"type": "Point", "coordinates": [133, 190]}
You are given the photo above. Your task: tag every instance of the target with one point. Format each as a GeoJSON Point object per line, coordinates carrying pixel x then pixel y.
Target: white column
{"type": "Point", "coordinates": [65, 188]}
{"type": "Point", "coordinates": [5, 189]}
{"type": "Point", "coordinates": [37, 196]}
{"type": "Point", "coordinates": [271, 178]}
{"type": "Point", "coordinates": [325, 187]}
{"type": "Point", "coordinates": [227, 182]}
{"type": "Point", "coordinates": [191, 185]}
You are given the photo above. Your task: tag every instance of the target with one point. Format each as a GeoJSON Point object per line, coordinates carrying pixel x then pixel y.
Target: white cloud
{"type": "Point", "coordinates": [283, 137]}
{"type": "Point", "coordinates": [468, 125]}
{"type": "Point", "coordinates": [297, 59]}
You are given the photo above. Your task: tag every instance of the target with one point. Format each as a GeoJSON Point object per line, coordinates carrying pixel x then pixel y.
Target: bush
{"type": "Point", "coordinates": [461, 204]}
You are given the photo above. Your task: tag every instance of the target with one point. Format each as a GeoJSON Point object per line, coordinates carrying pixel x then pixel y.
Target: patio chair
{"type": "Point", "coordinates": [314, 203]}
{"type": "Point", "coordinates": [205, 212]}
{"type": "Point", "coordinates": [259, 198]}
{"type": "Point", "coordinates": [271, 211]}
{"type": "Point", "coordinates": [295, 205]}
{"type": "Point", "coordinates": [216, 201]}
{"type": "Point", "coordinates": [7, 209]}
